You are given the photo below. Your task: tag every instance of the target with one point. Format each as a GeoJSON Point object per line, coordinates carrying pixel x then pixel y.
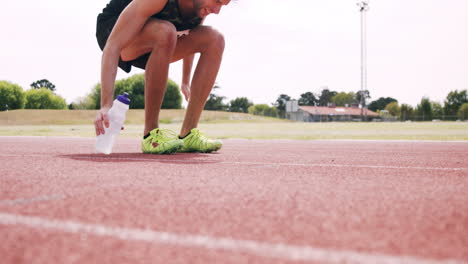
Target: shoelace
{"type": "Point", "coordinates": [199, 134]}
{"type": "Point", "coordinates": [162, 134]}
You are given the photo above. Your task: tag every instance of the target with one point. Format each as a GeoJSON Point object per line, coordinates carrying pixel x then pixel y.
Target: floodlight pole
{"type": "Point", "coordinates": [363, 8]}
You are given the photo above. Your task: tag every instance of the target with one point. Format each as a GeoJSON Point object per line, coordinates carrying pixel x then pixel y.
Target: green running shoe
{"type": "Point", "coordinates": [161, 141]}
{"type": "Point", "coordinates": [195, 141]}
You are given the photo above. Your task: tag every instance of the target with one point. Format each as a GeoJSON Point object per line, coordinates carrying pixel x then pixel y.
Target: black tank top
{"type": "Point", "coordinates": [170, 12]}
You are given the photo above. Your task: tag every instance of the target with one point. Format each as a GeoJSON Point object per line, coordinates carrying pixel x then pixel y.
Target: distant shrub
{"type": "Point", "coordinates": [11, 96]}
{"type": "Point", "coordinates": [83, 103]}
{"type": "Point", "coordinates": [44, 98]}
{"type": "Point", "coordinates": [135, 87]}
{"type": "Point", "coordinates": [172, 98]}
{"type": "Point", "coordinates": [393, 108]}
{"type": "Point", "coordinates": [240, 104]}
{"type": "Point", "coordinates": [263, 109]}
{"type": "Point", "coordinates": [463, 112]}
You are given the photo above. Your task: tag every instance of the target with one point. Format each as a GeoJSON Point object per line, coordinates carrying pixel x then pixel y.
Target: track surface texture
{"type": "Point", "coordinates": [254, 201]}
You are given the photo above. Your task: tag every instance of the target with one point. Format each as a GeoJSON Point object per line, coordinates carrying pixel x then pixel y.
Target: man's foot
{"type": "Point", "coordinates": [195, 141]}
{"type": "Point", "coordinates": [161, 141]}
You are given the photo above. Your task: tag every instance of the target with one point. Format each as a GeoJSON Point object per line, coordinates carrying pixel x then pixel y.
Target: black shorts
{"type": "Point", "coordinates": [104, 27]}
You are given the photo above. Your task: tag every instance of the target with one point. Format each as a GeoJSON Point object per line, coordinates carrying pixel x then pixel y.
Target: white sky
{"type": "Point", "coordinates": [415, 48]}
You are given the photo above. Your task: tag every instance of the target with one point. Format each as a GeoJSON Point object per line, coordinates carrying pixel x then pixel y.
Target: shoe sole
{"type": "Point", "coordinates": [198, 151]}
{"type": "Point", "coordinates": [165, 152]}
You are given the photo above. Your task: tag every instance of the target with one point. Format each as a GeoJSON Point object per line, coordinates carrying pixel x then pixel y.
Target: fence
{"type": "Point", "coordinates": [432, 117]}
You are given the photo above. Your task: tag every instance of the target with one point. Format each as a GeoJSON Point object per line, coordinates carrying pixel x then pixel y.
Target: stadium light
{"type": "Point", "coordinates": [363, 8]}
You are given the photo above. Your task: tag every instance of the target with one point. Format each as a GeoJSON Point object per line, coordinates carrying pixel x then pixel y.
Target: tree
{"type": "Point", "coordinates": [172, 98]}
{"type": "Point", "coordinates": [271, 111]}
{"type": "Point", "coordinates": [44, 83]}
{"type": "Point", "coordinates": [240, 104]}
{"type": "Point", "coordinates": [381, 103]}
{"type": "Point", "coordinates": [342, 99]}
{"type": "Point", "coordinates": [281, 104]}
{"type": "Point", "coordinates": [437, 110]}
{"type": "Point", "coordinates": [82, 103]}
{"type": "Point", "coordinates": [258, 109]}
{"type": "Point", "coordinates": [308, 98]}
{"type": "Point", "coordinates": [393, 109]}
{"type": "Point", "coordinates": [215, 102]}
{"type": "Point", "coordinates": [94, 97]}
{"type": "Point", "coordinates": [463, 112]}
{"type": "Point", "coordinates": [364, 93]}
{"type": "Point", "coordinates": [424, 109]}
{"type": "Point", "coordinates": [325, 97]}
{"type": "Point", "coordinates": [135, 87]}
{"type": "Point", "coordinates": [406, 112]}
{"type": "Point", "coordinates": [11, 96]}
{"type": "Point", "coordinates": [44, 98]}
{"type": "Point", "coordinates": [454, 100]}
{"type": "Point", "coordinates": [263, 110]}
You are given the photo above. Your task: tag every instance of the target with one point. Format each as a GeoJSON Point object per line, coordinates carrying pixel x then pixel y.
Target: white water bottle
{"type": "Point", "coordinates": [116, 114]}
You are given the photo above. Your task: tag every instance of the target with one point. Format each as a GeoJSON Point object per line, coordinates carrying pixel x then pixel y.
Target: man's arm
{"type": "Point", "coordinates": [129, 24]}
{"type": "Point", "coordinates": [186, 74]}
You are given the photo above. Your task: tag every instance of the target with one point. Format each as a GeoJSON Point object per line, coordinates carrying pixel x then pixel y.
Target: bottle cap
{"type": "Point", "coordinates": [123, 98]}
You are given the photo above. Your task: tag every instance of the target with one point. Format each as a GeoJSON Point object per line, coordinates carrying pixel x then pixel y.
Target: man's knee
{"type": "Point", "coordinates": [218, 41]}
{"type": "Point", "coordinates": [163, 34]}
{"type": "Point", "coordinates": [215, 39]}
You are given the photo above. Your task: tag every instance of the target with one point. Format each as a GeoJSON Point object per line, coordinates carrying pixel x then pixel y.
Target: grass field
{"type": "Point", "coordinates": [85, 117]}
{"type": "Point", "coordinates": [227, 125]}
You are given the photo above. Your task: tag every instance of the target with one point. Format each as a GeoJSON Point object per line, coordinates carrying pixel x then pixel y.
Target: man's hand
{"type": "Point", "coordinates": [102, 117]}
{"type": "Point", "coordinates": [186, 91]}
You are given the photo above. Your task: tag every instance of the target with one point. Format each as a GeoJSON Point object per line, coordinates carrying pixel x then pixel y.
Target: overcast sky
{"type": "Point", "coordinates": [415, 48]}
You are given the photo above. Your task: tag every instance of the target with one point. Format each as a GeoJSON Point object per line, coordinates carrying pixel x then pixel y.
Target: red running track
{"type": "Point", "coordinates": [256, 201]}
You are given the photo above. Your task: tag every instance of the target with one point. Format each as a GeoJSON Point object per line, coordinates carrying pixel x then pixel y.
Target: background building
{"type": "Point", "coordinates": [326, 113]}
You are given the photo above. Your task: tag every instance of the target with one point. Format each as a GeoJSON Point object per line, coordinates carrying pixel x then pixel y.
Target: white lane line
{"type": "Point", "coordinates": [281, 251]}
{"type": "Point", "coordinates": [31, 200]}
{"type": "Point", "coordinates": [202, 161]}
{"type": "Point", "coordinates": [348, 166]}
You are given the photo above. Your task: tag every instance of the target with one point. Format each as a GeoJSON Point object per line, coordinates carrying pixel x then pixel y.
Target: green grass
{"type": "Point", "coordinates": [78, 123]}
{"type": "Point", "coordinates": [274, 130]}
{"type": "Point", "coordinates": [85, 117]}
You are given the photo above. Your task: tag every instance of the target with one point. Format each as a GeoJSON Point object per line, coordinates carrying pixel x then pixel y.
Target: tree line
{"type": "Point", "coordinates": [455, 105]}
{"type": "Point", "coordinates": [42, 96]}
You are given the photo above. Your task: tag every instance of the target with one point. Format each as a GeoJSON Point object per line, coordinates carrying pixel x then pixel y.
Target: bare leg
{"type": "Point", "coordinates": [202, 83]}
{"type": "Point", "coordinates": [159, 38]}
{"type": "Point", "coordinates": [210, 44]}
{"type": "Point", "coordinates": [156, 75]}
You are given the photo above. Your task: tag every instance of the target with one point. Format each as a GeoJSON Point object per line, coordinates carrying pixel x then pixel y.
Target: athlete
{"type": "Point", "coordinates": [151, 34]}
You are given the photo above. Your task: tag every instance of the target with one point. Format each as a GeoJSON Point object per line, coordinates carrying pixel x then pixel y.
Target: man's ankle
{"type": "Point", "coordinates": [182, 137]}
{"type": "Point", "coordinates": [147, 132]}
